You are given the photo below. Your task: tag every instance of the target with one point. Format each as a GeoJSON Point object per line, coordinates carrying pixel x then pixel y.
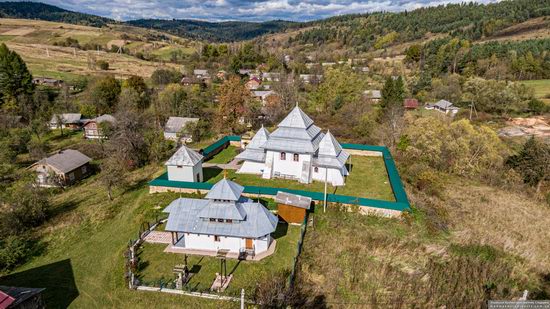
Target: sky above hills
{"type": "Point", "coordinates": [246, 10]}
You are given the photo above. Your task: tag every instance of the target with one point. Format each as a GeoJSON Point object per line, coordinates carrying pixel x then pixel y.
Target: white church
{"type": "Point", "coordinates": [223, 220]}
{"type": "Point", "coordinates": [297, 150]}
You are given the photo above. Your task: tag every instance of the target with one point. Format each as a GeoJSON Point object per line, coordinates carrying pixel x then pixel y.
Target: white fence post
{"type": "Point", "coordinates": [242, 298]}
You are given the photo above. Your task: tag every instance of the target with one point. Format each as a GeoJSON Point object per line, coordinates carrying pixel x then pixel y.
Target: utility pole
{"type": "Point", "coordinates": [325, 196]}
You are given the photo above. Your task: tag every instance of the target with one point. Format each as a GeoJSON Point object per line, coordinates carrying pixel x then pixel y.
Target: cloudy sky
{"type": "Point", "coordinates": [250, 10]}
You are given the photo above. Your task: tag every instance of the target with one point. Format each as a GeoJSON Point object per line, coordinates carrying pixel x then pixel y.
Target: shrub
{"type": "Point", "coordinates": [13, 251]}
{"type": "Point", "coordinates": [104, 65]}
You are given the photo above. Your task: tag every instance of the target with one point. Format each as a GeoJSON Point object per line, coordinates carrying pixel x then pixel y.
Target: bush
{"type": "Point", "coordinates": [13, 251]}
{"type": "Point", "coordinates": [537, 107]}
{"type": "Point", "coordinates": [102, 64]}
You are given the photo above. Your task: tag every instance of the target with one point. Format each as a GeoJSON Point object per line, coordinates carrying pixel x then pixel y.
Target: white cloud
{"type": "Point", "coordinates": [251, 10]}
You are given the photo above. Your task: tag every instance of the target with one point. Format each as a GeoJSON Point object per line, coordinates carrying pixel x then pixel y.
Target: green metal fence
{"type": "Point", "coordinates": [401, 202]}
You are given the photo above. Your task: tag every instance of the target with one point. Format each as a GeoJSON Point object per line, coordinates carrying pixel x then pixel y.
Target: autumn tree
{"type": "Point", "coordinates": [103, 94]}
{"type": "Point", "coordinates": [339, 87]}
{"type": "Point", "coordinates": [137, 84]}
{"type": "Point", "coordinates": [233, 100]}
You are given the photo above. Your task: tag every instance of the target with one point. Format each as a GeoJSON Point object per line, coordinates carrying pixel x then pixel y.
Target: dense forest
{"type": "Point", "coordinates": [470, 21]}
{"type": "Point", "coordinates": [515, 60]}
{"type": "Point", "coordinates": [215, 32]}
{"type": "Point", "coordinates": [42, 11]}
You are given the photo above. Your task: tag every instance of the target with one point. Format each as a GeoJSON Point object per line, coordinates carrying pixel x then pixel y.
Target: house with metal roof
{"type": "Point", "coordinates": [173, 129]}
{"type": "Point", "coordinates": [446, 107]}
{"type": "Point", "coordinates": [61, 169]}
{"type": "Point", "coordinates": [185, 165]}
{"type": "Point", "coordinates": [224, 220]}
{"type": "Point", "coordinates": [93, 128]}
{"type": "Point", "coordinates": [373, 95]}
{"type": "Point", "coordinates": [296, 150]}
{"type": "Point", "coordinates": [67, 121]}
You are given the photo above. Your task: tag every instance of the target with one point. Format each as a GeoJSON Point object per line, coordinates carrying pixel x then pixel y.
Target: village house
{"type": "Point", "coordinates": [410, 103]}
{"type": "Point", "coordinates": [68, 121]}
{"type": "Point", "coordinates": [271, 77]}
{"type": "Point", "coordinates": [263, 95]}
{"type": "Point", "coordinates": [372, 95]}
{"type": "Point", "coordinates": [190, 81]}
{"type": "Point", "coordinates": [245, 71]}
{"type": "Point", "coordinates": [45, 81]}
{"type": "Point", "coordinates": [174, 129]}
{"type": "Point", "coordinates": [201, 74]}
{"type": "Point", "coordinates": [224, 221]}
{"type": "Point", "coordinates": [21, 298]}
{"type": "Point", "coordinates": [443, 106]}
{"type": "Point", "coordinates": [254, 83]}
{"type": "Point", "coordinates": [310, 78]}
{"type": "Point", "coordinates": [92, 128]}
{"type": "Point", "coordinates": [185, 165]}
{"type": "Point", "coordinates": [296, 150]}
{"type": "Point", "coordinates": [62, 169]}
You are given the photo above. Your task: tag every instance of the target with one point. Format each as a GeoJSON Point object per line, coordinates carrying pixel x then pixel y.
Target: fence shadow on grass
{"type": "Point", "coordinates": [210, 172]}
{"type": "Point", "coordinates": [57, 278]}
{"type": "Point", "coordinates": [282, 229]}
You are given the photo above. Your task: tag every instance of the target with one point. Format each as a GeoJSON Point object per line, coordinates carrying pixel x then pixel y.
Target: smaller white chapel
{"type": "Point", "coordinates": [298, 150]}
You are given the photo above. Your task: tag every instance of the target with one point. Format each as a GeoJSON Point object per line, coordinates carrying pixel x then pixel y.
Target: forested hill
{"type": "Point", "coordinates": [214, 32]}
{"type": "Point", "coordinates": [42, 11]}
{"type": "Point", "coordinates": [470, 21]}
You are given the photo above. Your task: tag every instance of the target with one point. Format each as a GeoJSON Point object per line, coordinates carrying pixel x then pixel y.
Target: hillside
{"type": "Point", "coordinates": [43, 46]}
{"type": "Point", "coordinates": [471, 21]}
{"type": "Point", "coordinates": [42, 11]}
{"type": "Point", "coordinates": [216, 32]}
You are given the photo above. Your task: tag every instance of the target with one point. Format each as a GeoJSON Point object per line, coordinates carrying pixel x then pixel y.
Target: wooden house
{"type": "Point", "coordinates": [92, 128]}
{"type": "Point", "coordinates": [62, 169]}
{"type": "Point", "coordinates": [72, 121]}
{"type": "Point", "coordinates": [292, 208]}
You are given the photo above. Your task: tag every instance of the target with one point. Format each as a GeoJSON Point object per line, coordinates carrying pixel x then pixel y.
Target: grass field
{"type": "Point", "coordinates": [488, 244]}
{"type": "Point", "coordinates": [80, 254]}
{"type": "Point", "coordinates": [225, 156]}
{"type": "Point", "coordinates": [159, 264]}
{"type": "Point", "coordinates": [542, 88]}
{"type": "Point", "coordinates": [368, 178]}
{"type": "Point", "coordinates": [34, 41]}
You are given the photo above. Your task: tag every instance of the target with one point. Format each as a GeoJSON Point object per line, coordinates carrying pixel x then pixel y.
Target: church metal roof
{"type": "Point", "coordinates": [225, 190]}
{"type": "Point", "coordinates": [185, 157]}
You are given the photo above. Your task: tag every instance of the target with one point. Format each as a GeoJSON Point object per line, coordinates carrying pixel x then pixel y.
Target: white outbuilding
{"type": "Point", "coordinates": [185, 165]}
{"type": "Point", "coordinates": [224, 220]}
{"type": "Point", "coordinates": [296, 150]}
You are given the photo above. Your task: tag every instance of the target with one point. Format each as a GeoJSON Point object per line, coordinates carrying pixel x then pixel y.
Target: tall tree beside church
{"type": "Point", "coordinates": [15, 78]}
{"type": "Point", "coordinates": [234, 96]}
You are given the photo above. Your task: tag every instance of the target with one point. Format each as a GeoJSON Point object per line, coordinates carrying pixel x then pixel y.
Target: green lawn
{"type": "Point", "coordinates": [225, 156]}
{"type": "Point", "coordinates": [159, 265]}
{"type": "Point", "coordinates": [5, 38]}
{"type": "Point", "coordinates": [79, 258]}
{"type": "Point", "coordinates": [541, 86]}
{"type": "Point", "coordinates": [368, 178]}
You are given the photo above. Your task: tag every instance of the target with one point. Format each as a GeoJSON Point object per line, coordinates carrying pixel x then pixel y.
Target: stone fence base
{"type": "Point", "coordinates": [365, 210]}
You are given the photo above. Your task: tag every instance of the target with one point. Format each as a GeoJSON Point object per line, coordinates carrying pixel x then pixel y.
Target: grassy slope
{"type": "Point", "coordinates": [541, 87]}
{"type": "Point", "coordinates": [368, 178]}
{"type": "Point", "coordinates": [38, 36]}
{"type": "Point", "coordinates": [86, 239]}
{"type": "Point", "coordinates": [495, 246]}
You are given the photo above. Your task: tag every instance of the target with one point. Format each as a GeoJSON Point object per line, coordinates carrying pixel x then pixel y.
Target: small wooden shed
{"type": "Point", "coordinates": [292, 208]}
